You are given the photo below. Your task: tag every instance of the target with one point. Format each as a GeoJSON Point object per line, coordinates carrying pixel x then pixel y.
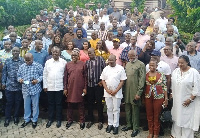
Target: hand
{"type": "Point", "coordinates": [21, 81]}
{"type": "Point", "coordinates": [137, 97]}
{"type": "Point", "coordinates": [113, 93]}
{"type": "Point", "coordinates": [34, 82]}
{"type": "Point", "coordinates": [170, 96]}
{"type": "Point", "coordinates": [109, 91]}
{"type": "Point", "coordinates": [65, 93]}
{"type": "Point", "coordinates": [3, 87]}
{"type": "Point", "coordinates": [165, 103]}
{"type": "Point", "coordinates": [187, 102]}
{"type": "Point", "coordinates": [45, 89]}
{"type": "Point", "coordinates": [84, 91]}
{"type": "Point", "coordinates": [100, 84]}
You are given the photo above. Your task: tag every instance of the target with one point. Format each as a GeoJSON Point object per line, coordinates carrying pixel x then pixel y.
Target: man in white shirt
{"type": "Point", "coordinates": [113, 77]}
{"type": "Point", "coordinates": [53, 84]}
{"type": "Point", "coordinates": [161, 22]}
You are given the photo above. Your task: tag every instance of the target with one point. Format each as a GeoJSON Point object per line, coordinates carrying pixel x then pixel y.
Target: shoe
{"type": "Point", "coordinates": [34, 124]}
{"type": "Point", "coordinates": [126, 128]}
{"type": "Point", "coordinates": [25, 124]}
{"type": "Point", "coordinates": [161, 133]}
{"type": "Point", "coordinates": [89, 124]}
{"type": "Point", "coordinates": [6, 123]}
{"type": "Point", "coordinates": [115, 130]}
{"type": "Point", "coordinates": [58, 124]}
{"type": "Point", "coordinates": [135, 133]}
{"type": "Point", "coordinates": [49, 124]}
{"type": "Point", "coordinates": [145, 128]}
{"type": "Point", "coordinates": [16, 120]}
{"type": "Point", "coordinates": [100, 125]}
{"type": "Point", "coordinates": [68, 124]}
{"type": "Point", "coordinates": [82, 126]}
{"type": "Point", "coordinates": [109, 128]}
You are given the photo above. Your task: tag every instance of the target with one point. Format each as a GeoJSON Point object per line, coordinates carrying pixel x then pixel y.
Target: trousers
{"type": "Point", "coordinates": [180, 132]}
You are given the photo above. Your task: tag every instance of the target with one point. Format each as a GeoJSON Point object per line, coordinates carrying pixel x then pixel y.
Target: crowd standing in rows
{"type": "Point", "coordinates": [102, 53]}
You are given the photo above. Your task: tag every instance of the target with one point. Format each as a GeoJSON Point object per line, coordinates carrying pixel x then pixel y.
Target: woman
{"type": "Point", "coordinates": [102, 50]}
{"type": "Point", "coordinates": [57, 41]}
{"type": "Point", "coordinates": [84, 53]}
{"type": "Point", "coordinates": [66, 54]}
{"type": "Point", "coordinates": [155, 97]}
{"type": "Point", "coordinates": [147, 50]}
{"type": "Point", "coordinates": [75, 84]}
{"type": "Point", "coordinates": [149, 29]}
{"type": "Point", "coordinates": [186, 100]}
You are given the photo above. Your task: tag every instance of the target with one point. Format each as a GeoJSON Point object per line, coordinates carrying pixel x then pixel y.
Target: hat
{"type": "Point", "coordinates": [116, 39]}
{"type": "Point", "coordinates": [155, 53]}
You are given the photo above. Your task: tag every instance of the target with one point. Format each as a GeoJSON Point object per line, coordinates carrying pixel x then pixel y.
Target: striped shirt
{"type": "Point", "coordinates": [94, 70]}
{"type": "Point", "coordinates": [124, 54]}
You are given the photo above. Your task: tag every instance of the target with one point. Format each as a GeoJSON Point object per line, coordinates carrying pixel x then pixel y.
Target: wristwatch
{"type": "Point", "coordinates": [191, 100]}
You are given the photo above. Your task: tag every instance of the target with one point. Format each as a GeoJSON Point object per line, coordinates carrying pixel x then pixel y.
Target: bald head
{"type": "Point", "coordinates": [91, 53]}
{"type": "Point", "coordinates": [112, 60]}
{"type": "Point", "coordinates": [28, 58]}
{"type": "Point", "coordinates": [132, 56]}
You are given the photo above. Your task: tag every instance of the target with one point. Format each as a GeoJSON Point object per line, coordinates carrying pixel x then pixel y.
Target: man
{"type": "Point", "coordinates": [96, 23]}
{"type": "Point", "coordinates": [158, 45]}
{"type": "Point", "coordinates": [95, 66]}
{"type": "Point", "coordinates": [69, 36]}
{"type": "Point", "coordinates": [132, 29]}
{"type": "Point", "coordinates": [79, 26]}
{"type": "Point", "coordinates": [111, 9]}
{"type": "Point", "coordinates": [99, 9]}
{"type": "Point", "coordinates": [109, 41]}
{"type": "Point", "coordinates": [120, 35]}
{"type": "Point", "coordinates": [193, 55]}
{"type": "Point", "coordinates": [11, 86]}
{"type": "Point", "coordinates": [53, 85]}
{"type": "Point", "coordinates": [79, 40]}
{"type": "Point", "coordinates": [13, 39]}
{"type": "Point", "coordinates": [127, 41]}
{"type": "Point", "coordinates": [170, 33]}
{"type": "Point", "coordinates": [135, 71]}
{"type": "Point", "coordinates": [169, 58]}
{"type": "Point", "coordinates": [196, 38]}
{"type": "Point", "coordinates": [89, 29]}
{"type": "Point", "coordinates": [124, 54]}
{"type": "Point", "coordinates": [161, 22]}
{"type": "Point", "coordinates": [57, 18]}
{"type": "Point", "coordinates": [126, 25]}
{"type": "Point", "coordinates": [24, 49]}
{"type": "Point", "coordinates": [94, 40]}
{"type": "Point", "coordinates": [11, 29]}
{"type": "Point", "coordinates": [117, 14]}
{"type": "Point", "coordinates": [114, 27]}
{"type": "Point", "coordinates": [162, 67]}
{"type": "Point", "coordinates": [30, 76]}
{"type": "Point", "coordinates": [63, 30]}
{"type": "Point", "coordinates": [116, 50]}
{"type": "Point", "coordinates": [142, 38]}
{"type": "Point", "coordinates": [113, 77]}
{"type": "Point", "coordinates": [6, 52]}
{"type": "Point", "coordinates": [159, 37]}
{"type": "Point", "coordinates": [39, 55]}
{"type": "Point", "coordinates": [102, 33]}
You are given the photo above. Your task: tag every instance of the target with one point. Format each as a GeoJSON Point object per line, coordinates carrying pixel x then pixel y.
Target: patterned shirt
{"type": "Point", "coordinates": [29, 73]}
{"type": "Point", "coordinates": [4, 55]}
{"type": "Point", "coordinates": [124, 54]}
{"type": "Point", "coordinates": [9, 75]}
{"type": "Point", "coordinates": [94, 70]}
{"type": "Point", "coordinates": [39, 57]}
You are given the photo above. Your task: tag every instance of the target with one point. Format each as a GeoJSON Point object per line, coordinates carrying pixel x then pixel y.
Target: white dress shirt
{"type": "Point", "coordinates": [53, 74]}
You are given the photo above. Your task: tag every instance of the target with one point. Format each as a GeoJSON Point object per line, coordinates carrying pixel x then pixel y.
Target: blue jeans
{"type": "Point", "coordinates": [13, 99]}
{"type": "Point", "coordinates": [31, 104]}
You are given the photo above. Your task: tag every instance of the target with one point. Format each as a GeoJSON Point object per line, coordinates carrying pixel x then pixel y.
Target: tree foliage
{"type": "Point", "coordinates": [187, 13]}
{"type": "Point", "coordinates": [139, 4]}
{"type": "Point", "coordinates": [20, 12]}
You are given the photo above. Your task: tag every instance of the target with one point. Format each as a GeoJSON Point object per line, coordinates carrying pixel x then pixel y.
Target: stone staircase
{"type": "Point", "coordinates": [151, 3]}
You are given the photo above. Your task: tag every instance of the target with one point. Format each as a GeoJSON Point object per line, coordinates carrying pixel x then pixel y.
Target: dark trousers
{"type": "Point", "coordinates": [55, 104]}
{"type": "Point", "coordinates": [81, 110]}
{"type": "Point", "coordinates": [95, 94]}
{"type": "Point", "coordinates": [13, 99]}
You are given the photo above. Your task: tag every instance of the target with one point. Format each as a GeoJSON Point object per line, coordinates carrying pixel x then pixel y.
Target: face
{"type": "Point", "coordinates": [127, 37]}
{"type": "Point", "coordinates": [120, 31]}
{"type": "Point", "coordinates": [152, 66]}
{"type": "Point", "coordinates": [79, 33]}
{"type": "Point", "coordinates": [11, 29]}
{"type": "Point", "coordinates": [25, 43]}
{"type": "Point", "coordinates": [13, 38]}
{"type": "Point", "coordinates": [90, 24]}
{"type": "Point", "coordinates": [156, 29]}
{"type": "Point", "coordinates": [112, 61]}
{"type": "Point", "coordinates": [85, 46]}
{"type": "Point", "coordinates": [75, 56]}
{"type": "Point", "coordinates": [57, 40]}
{"type": "Point", "coordinates": [152, 21]}
{"type": "Point", "coordinates": [91, 54]}
{"type": "Point", "coordinates": [102, 26]}
{"type": "Point", "coordinates": [28, 36]}
{"type": "Point", "coordinates": [99, 44]}
{"type": "Point", "coordinates": [28, 60]}
{"type": "Point", "coordinates": [39, 36]}
{"type": "Point", "coordinates": [94, 36]}
{"type": "Point", "coordinates": [168, 42]}
{"type": "Point", "coordinates": [70, 46]}
{"type": "Point", "coordinates": [7, 45]}
{"type": "Point", "coordinates": [38, 45]}
{"type": "Point", "coordinates": [79, 24]}
{"type": "Point", "coordinates": [182, 63]}
{"type": "Point", "coordinates": [167, 50]}
{"type": "Point", "coordinates": [114, 23]}
{"type": "Point", "coordinates": [133, 40]}
{"type": "Point", "coordinates": [55, 53]}
{"type": "Point", "coordinates": [132, 26]}
{"type": "Point", "coordinates": [115, 44]}
{"type": "Point", "coordinates": [149, 45]}
{"type": "Point", "coordinates": [57, 32]}
{"type": "Point", "coordinates": [191, 47]}
{"type": "Point", "coordinates": [15, 52]}
{"type": "Point", "coordinates": [170, 31]}
{"type": "Point", "coordinates": [132, 56]}
{"type": "Point", "coordinates": [61, 22]}
{"type": "Point", "coordinates": [110, 35]}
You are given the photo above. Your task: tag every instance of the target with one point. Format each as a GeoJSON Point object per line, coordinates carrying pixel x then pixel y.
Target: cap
{"type": "Point", "coordinates": [155, 53]}
{"type": "Point", "coordinates": [116, 39]}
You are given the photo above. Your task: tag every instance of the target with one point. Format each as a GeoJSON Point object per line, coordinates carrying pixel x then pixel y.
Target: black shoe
{"type": "Point", "coordinates": [82, 126]}
{"type": "Point", "coordinates": [135, 133]}
{"type": "Point", "coordinates": [89, 124]}
{"type": "Point", "coordinates": [16, 120]}
{"type": "Point", "coordinates": [6, 123]}
{"type": "Point", "coordinates": [34, 124]}
{"type": "Point", "coordinates": [115, 130]}
{"type": "Point", "coordinates": [145, 128]}
{"type": "Point", "coordinates": [161, 133]}
{"type": "Point", "coordinates": [68, 124]}
{"type": "Point", "coordinates": [109, 128]}
{"type": "Point", "coordinates": [25, 124]}
{"type": "Point", "coordinates": [100, 125]}
{"type": "Point", "coordinates": [126, 128]}
{"type": "Point", "coordinates": [49, 124]}
{"type": "Point", "coordinates": [58, 124]}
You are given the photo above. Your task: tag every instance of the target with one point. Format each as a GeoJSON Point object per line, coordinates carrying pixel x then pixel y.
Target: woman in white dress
{"type": "Point", "coordinates": [186, 100]}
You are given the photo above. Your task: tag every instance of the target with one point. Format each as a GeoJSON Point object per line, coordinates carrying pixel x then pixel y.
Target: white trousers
{"type": "Point", "coordinates": [180, 132]}
{"type": "Point", "coordinates": [113, 110]}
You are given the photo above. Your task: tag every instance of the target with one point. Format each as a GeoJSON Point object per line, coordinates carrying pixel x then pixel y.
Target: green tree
{"type": "Point", "coordinates": [187, 13]}
{"type": "Point", "coordinates": [139, 4]}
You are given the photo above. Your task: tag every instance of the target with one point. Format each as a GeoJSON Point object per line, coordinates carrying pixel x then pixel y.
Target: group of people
{"type": "Point", "coordinates": [102, 53]}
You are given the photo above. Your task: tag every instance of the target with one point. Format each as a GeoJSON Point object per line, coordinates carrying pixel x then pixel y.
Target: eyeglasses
{"type": "Point", "coordinates": [166, 49]}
